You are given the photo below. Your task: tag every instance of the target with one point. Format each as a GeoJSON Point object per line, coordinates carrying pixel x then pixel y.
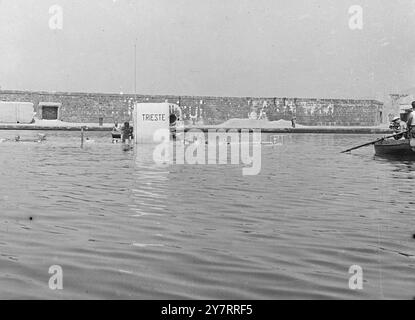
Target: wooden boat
{"type": "Point", "coordinates": [116, 134]}
{"type": "Point", "coordinates": [400, 149]}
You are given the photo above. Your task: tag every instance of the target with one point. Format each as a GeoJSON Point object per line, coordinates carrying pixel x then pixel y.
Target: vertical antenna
{"type": "Point", "coordinates": [135, 70]}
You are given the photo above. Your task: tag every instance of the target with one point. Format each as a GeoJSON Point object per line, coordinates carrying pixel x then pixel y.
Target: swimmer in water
{"type": "Point", "coordinates": [126, 133]}
{"type": "Point", "coordinates": [41, 137]}
{"type": "Point", "coordinates": [126, 136]}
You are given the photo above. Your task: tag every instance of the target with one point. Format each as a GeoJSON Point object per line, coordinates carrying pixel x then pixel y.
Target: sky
{"type": "Point", "coordinates": [268, 48]}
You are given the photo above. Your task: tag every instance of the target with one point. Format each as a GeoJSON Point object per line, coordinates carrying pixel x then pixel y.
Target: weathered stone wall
{"type": "Point", "coordinates": [77, 107]}
{"type": "Point", "coordinates": [339, 112]}
{"type": "Point", "coordinates": [89, 107]}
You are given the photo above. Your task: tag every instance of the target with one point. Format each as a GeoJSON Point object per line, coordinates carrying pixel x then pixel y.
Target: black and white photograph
{"type": "Point", "coordinates": [207, 150]}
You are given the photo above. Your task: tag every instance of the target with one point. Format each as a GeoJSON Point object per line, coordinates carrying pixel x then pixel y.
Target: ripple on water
{"type": "Point", "coordinates": [123, 227]}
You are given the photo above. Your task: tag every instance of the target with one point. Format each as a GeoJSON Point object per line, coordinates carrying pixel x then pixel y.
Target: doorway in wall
{"type": "Point", "coordinates": [49, 111]}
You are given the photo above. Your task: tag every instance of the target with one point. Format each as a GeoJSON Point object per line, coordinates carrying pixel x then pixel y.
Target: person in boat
{"type": "Point", "coordinates": [410, 123]}
{"type": "Point", "coordinates": [126, 133]}
{"type": "Point", "coordinates": [397, 126]}
{"type": "Point", "coordinates": [116, 127]}
{"type": "Point", "coordinates": [116, 132]}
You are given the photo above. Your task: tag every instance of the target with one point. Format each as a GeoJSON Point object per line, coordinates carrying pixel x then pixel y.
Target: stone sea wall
{"type": "Point", "coordinates": [90, 107]}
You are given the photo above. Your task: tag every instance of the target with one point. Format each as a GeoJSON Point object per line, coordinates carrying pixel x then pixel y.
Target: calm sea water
{"type": "Point", "coordinates": [121, 226]}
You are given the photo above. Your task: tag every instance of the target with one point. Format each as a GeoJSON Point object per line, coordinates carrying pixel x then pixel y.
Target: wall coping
{"type": "Point", "coordinates": [167, 96]}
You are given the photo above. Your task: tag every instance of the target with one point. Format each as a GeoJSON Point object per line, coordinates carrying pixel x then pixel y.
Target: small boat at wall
{"type": "Point", "coordinates": [398, 149]}
{"type": "Point", "coordinates": [116, 134]}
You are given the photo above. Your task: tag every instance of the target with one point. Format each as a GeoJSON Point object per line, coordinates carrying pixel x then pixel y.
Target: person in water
{"type": "Point", "coordinates": [41, 137]}
{"type": "Point", "coordinates": [126, 133]}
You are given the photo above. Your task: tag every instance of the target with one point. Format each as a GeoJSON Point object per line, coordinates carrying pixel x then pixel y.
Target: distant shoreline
{"type": "Point", "coordinates": [302, 129]}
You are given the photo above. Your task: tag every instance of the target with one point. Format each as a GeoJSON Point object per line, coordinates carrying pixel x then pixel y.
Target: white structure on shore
{"type": "Point", "coordinates": [16, 112]}
{"type": "Point", "coordinates": [151, 119]}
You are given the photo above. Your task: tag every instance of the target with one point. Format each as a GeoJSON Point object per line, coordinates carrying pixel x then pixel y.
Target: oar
{"type": "Point", "coordinates": [373, 142]}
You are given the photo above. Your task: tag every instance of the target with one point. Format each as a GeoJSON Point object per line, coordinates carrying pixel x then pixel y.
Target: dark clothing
{"type": "Point", "coordinates": [127, 133]}
{"type": "Point", "coordinates": [397, 127]}
{"type": "Point", "coordinates": [399, 136]}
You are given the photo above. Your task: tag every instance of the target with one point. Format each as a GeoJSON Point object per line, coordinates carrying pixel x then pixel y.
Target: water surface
{"type": "Point", "coordinates": [122, 226]}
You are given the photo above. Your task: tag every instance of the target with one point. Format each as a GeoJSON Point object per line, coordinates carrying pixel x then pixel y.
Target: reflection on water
{"type": "Point", "coordinates": [122, 226]}
{"type": "Point", "coordinates": [402, 166]}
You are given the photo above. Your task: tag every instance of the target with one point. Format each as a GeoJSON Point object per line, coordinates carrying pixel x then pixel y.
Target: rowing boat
{"type": "Point", "coordinates": [395, 149]}
{"type": "Point", "coordinates": [116, 134]}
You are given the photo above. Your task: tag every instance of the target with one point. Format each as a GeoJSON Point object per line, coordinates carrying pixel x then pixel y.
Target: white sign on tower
{"type": "Point", "coordinates": [150, 118]}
